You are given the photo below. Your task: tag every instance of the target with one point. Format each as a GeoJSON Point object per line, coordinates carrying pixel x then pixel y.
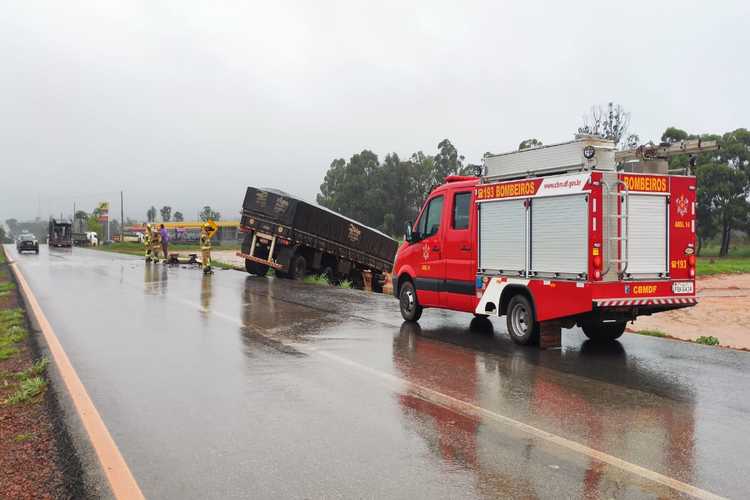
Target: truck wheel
{"type": "Point", "coordinates": [256, 268]}
{"type": "Point", "coordinates": [298, 268]}
{"type": "Point", "coordinates": [597, 330]}
{"type": "Point", "coordinates": [36, 251]}
{"type": "Point", "coordinates": [407, 297]}
{"type": "Point", "coordinates": [522, 327]}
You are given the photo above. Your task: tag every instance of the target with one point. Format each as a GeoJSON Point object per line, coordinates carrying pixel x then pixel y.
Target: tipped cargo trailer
{"type": "Point", "coordinates": [296, 238]}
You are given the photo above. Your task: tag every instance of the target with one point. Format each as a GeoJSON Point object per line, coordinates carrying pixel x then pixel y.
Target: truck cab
{"type": "Point", "coordinates": [438, 258]}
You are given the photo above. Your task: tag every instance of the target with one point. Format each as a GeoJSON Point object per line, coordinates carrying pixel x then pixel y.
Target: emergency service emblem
{"type": "Point", "coordinates": [426, 251]}
{"type": "Point", "coordinates": [682, 205]}
{"type": "Point", "coordinates": [354, 233]}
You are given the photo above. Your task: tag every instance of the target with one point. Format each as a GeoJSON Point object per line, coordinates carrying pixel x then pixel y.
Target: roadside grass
{"type": "Point", "coordinates": [5, 288]}
{"type": "Point", "coordinates": [708, 266]}
{"type": "Point", "coordinates": [28, 389]}
{"type": "Point", "coordinates": [20, 438]}
{"type": "Point", "coordinates": [737, 250]}
{"type": "Point", "coordinates": [317, 279]}
{"type": "Point", "coordinates": [7, 352]}
{"type": "Point", "coordinates": [707, 340]}
{"type": "Point", "coordinates": [38, 368]}
{"type": "Point", "coordinates": [346, 284]}
{"type": "Point", "coordinates": [652, 333]}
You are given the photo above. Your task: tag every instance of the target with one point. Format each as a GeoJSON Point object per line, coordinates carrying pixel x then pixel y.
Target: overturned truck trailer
{"type": "Point", "coordinates": [296, 237]}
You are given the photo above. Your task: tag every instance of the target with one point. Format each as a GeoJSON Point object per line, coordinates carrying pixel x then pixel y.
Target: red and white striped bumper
{"type": "Point", "coordinates": [651, 301]}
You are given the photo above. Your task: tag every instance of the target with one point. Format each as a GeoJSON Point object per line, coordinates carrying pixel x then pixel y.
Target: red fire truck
{"type": "Point", "coordinates": [556, 236]}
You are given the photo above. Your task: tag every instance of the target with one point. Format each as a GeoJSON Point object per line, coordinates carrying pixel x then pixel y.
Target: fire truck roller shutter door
{"type": "Point", "coordinates": [502, 235]}
{"type": "Point", "coordinates": [559, 235]}
{"type": "Point", "coordinates": [647, 236]}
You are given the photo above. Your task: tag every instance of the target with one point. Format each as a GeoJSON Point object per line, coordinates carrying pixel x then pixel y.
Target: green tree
{"type": "Point", "coordinates": [447, 161]}
{"type": "Point", "coordinates": [3, 237]}
{"type": "Point", "coordinates": [166, 213]}
{"type": "Point", "coordinates": [209, 214]}
{"type": "Point", "coordinates": [674, 134]}
{"type": "Point", "coordinates": [528, 144]}
{"type": "Point", "coordinates": [178, 217]}
{"type": "Point", "coordinates": [151, 214]}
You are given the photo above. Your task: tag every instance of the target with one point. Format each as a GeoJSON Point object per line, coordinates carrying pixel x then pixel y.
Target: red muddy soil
{"type": "Point", "coordinates": [30, 458]}
{"type": "Point", "coordinates": [723, 311]}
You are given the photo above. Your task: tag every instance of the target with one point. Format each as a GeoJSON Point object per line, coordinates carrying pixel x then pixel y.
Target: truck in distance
{"type": "Point", "coordinates": [556, 236]}
{"type": "Point", "coordinates": [60, 233]}
{"type": "Point", "coordinates": [27, 242]}
{"type": "Point", "coordinates": [296, 238]}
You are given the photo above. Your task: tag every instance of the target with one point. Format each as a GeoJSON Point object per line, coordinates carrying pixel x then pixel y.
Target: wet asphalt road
{"type": "Point", "coordinates": [231, 386]}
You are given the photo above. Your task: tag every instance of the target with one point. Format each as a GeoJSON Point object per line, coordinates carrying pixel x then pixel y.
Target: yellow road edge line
{"type": "Point", "coordinates": [121, 480]}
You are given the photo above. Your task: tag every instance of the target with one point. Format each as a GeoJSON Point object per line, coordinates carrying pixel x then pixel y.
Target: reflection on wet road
{"type": "Point", "coordinates": [229, 386]}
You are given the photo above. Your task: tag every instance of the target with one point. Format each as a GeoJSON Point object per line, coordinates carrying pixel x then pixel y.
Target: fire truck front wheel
{"type": "Point", "coordinates": [407, 297]}
{"type": "Point", "coordinates": [600, 331]}
{"type": "Point", "coordinates": [522, 326]}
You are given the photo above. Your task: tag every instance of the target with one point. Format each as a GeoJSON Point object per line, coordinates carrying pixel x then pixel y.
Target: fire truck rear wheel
{"type": "Point", "coordinates": [522, 327]}
{"type": "Point", "coordinates": [407, 298]}
{"type": "Point", "coordinates": [603, 331]}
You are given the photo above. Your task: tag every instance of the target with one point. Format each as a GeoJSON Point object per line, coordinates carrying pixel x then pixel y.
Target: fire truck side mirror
{"type": "Point", "coordinates": [409, 233]}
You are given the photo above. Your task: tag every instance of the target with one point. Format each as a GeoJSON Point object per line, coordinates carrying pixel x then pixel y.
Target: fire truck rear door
{"type": "Point", "coordinates": [647, 238]}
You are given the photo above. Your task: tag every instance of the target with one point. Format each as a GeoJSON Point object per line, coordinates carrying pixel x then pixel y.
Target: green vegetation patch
{"type": "Point", "coordinates": [345, 284]}
{"type": "Point", "coordinates": [5, 288]}
{"type": "Point", "coordinates": [7, 352]}
{"type": "Point", "coordinates": [12, 335]}
{"type": "Point", "coordinates": [707, 340]}
{"type": "Point", "coordinates": [27, 390]}
{"type": "Point", "coordinates": [22, 438]}
{"type": "Point", "coordinates": [317, 279]}
{"type": "Point", "coordinates": [652, 333]}
{"type": "Point", "coordinates": [708, 266]}
{"type": "Point", "coordinates": [38, 368]}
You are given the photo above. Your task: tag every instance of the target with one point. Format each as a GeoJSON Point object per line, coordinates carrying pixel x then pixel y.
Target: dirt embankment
{"type": "Point", "coordinates": [723, 311]}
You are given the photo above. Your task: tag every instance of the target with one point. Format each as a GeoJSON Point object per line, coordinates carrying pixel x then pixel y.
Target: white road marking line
{"type": "Point", "coordinates": [467, 408]}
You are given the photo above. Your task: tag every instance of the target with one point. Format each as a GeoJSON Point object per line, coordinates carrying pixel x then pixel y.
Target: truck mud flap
{"type": "Point", "coordinates": [260, 261]}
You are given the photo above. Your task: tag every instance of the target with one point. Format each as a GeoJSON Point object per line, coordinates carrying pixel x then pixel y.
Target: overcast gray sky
{"type": "Point", "coordinates": [185, 103]}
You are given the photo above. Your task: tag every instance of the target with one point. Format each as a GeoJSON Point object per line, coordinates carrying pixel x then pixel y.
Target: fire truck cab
{"type": "Point", "coordinates": [555, 236]}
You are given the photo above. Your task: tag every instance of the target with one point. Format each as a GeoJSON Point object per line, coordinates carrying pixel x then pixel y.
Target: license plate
{"type": "Point", "coordinates": [682, 287]}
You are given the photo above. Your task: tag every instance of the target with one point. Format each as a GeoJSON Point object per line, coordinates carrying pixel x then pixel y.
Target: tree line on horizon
{"type": "Point", "coordinates": [385, 195]}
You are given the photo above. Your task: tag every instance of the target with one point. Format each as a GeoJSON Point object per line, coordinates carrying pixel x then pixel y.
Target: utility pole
{"type": "Point", "coordinates": [122, 218]}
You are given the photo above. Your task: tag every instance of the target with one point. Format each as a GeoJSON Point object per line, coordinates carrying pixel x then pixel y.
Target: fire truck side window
{"type": "Point", "coordinates": [432, 217]}
{"type": "Point", "coordinates": [461, 210]}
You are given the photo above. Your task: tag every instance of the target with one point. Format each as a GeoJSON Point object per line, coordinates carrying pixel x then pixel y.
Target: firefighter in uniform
{"type": "Point", "coordinates": [207, 231]}
{"type": "Point", "coordinates": [147, 237]}
{"type": "Point", "coordinates": [155, 244]}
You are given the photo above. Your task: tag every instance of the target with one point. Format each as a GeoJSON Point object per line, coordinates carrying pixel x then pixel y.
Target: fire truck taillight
{"type": "Point", "coordinates": [597, 262]}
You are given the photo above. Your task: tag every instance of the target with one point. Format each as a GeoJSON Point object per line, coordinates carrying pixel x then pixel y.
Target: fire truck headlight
{"type": "Point", "coordinates": [597, 275]}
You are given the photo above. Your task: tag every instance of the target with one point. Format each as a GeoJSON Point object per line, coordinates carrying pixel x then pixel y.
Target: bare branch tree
{"type": "Point", "coordinates": [611, 124]}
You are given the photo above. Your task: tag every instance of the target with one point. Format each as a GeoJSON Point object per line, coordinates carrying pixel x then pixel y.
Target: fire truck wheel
{"type": "Point", "coordinates": [255, 268]}
{"type": "Point", "coordinates": [407, 297]}
{"type": "Point", "coordinates": [522, 327]}
{"type": "Point", "coordinates": [603, 331]}
{"type": "Point", "coordinates": [298, 268]}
